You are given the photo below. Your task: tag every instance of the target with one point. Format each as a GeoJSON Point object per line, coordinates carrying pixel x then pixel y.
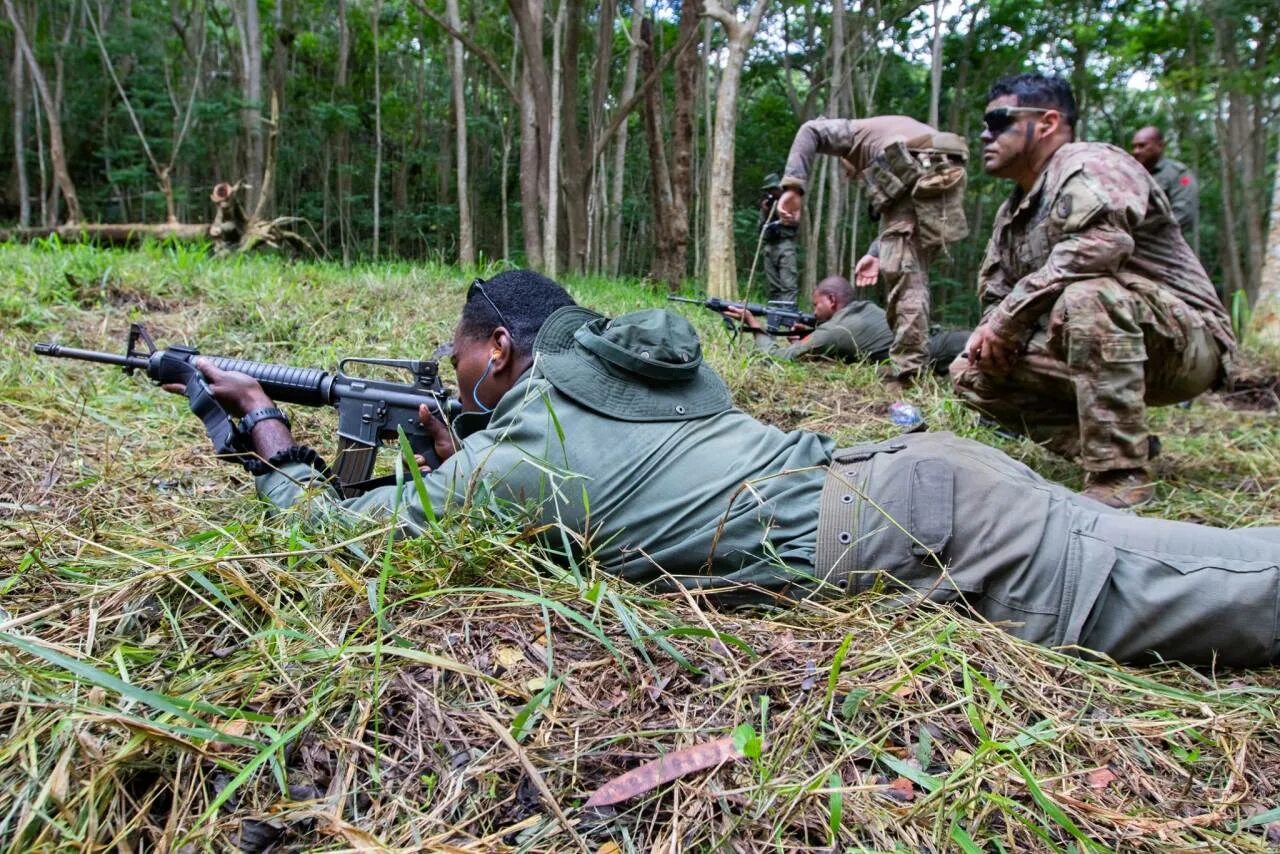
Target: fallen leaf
{"type": "Point", "coordinates": [664, 769]}
{"type": "Point", "coordinates": [509, 656]}
{"type": "Point", "coordinates": [1101, 778]}
{"type": "Point", "coordinates": [609, 847]}
{"type": "Point", "coordinates": [901, 789]}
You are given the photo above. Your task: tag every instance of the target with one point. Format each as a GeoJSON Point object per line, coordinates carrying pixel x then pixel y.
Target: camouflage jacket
{"type": "Point", "coordinates": [1093, 212]}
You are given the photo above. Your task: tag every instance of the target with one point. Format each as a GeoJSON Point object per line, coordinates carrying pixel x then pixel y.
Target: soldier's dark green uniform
{"type": "Point", "coordinates": [1183, 191]}
{"type": "Point", "coordinates": [621, 435]}
{"type": "Point", "coordinates": [859, 332]}
{"type": "Point", "coordinates": [781, 270]}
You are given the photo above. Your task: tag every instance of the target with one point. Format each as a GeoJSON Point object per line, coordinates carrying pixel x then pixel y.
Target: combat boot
{"type": "Point", "coordinates": [1120, 488]}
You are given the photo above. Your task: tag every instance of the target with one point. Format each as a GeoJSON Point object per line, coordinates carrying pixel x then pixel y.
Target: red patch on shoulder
{"type": "Point", "coordinates": [1185, 180]}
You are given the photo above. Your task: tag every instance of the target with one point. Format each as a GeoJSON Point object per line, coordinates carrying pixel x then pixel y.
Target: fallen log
{"type": "Point", "coordinates": [232, 230]}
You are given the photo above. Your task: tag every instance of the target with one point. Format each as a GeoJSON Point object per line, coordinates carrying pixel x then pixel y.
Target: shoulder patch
{"type": "Point", "coordinates": [1185, 180]}
{"type": "Point", "coordinates": [1080, 199]}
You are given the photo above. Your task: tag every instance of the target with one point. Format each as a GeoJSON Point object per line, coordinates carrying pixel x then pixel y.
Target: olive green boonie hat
{"type": "Point", "coordinates": [642, 366]}
{"type": "Point", "coordinates": [772, 181]}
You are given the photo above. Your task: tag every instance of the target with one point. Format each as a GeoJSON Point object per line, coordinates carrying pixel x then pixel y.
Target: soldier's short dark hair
{"type": "Point", "coordinates": [838, 288]}
{"type": "Point", "coordinates": [1038, 90]}
{"type": "Point", "coordinates": [520, 300]}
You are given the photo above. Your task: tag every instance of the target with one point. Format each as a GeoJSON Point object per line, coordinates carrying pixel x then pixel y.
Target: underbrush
{"type": "Point", "coordinates": [178, 669]}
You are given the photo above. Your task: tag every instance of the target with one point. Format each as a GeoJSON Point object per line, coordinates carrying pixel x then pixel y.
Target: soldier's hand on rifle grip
{"type": "Point", "coordinates": [441, 437]}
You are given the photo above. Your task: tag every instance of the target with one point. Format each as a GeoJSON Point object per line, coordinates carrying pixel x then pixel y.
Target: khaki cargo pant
{"type": "Point", "coordinates": [904, 264]}
{"type": "Point", "coordinates": [1093, 364]}
{"type": "Point", "coordinates": [781, 271]}
{"type": "Point", "coordinates": [936, 515]}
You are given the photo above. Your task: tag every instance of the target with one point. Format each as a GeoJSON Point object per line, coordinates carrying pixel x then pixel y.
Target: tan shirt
{"type": "Point", "coordinates": [858, 141]}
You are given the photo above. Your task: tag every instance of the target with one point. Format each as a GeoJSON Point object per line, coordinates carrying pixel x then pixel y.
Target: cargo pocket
{"type": "Point", "coordinates": [883, 187]}
{"type": "Point", "coordinates": [932, 511]}
{"type": "Point", "coordinates": [939, 204]}
{"type": "Point", "coordinates": [1192, 608]}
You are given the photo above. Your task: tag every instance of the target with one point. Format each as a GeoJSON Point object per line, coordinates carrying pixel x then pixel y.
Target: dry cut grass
{"type": "Point", "coordinates": [179, 671]}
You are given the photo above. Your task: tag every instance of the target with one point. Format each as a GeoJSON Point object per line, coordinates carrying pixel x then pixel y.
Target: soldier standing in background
{"type": "Point", "coordinates": [1094, 306]}
{"type": "Point", "coordinates": [915, 181]}
{"type": "Point", "coordinates": [780, 269]}
{"type": "Point", "coordinates": [1174, 178]}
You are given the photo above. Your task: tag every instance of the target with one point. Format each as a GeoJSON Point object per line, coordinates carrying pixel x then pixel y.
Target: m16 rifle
{"type": "Point", "coordinates": [781, 317]}
{"type": "Point", "coordinates": [370, 411]}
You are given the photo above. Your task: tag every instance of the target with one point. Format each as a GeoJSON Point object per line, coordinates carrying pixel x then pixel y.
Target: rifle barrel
{"type": "Point", "coordinates": [49, 348]}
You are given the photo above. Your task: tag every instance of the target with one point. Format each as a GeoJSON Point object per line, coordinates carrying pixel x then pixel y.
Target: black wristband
{"type": "Point", "coordinates": [291, 454]}
{"type": "Point", "coordinates": [257, 416]}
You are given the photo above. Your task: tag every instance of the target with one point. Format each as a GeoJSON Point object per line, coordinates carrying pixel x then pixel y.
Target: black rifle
{"type": "Point", "coordinates": [781, 317]}
{"type": "Point", "coordinates": [369, 411]}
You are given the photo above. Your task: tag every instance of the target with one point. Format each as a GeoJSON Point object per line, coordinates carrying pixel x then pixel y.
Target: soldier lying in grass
{"type": "Point", "coordinates": [618, 434]}
{"type": "Point", "coordinates": [850, 329]}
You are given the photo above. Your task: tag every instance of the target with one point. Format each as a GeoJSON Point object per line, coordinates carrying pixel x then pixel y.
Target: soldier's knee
{"type": "Point", "coordinates": [1094, 296]}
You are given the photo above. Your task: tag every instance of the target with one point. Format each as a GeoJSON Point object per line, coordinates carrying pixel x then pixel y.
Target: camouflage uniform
{"type": "Point", "coordinates": [780, 269]}
{"type": "Point", "coordinates": [1183, 191]}
{"type": "Point", "coordinates": [859, 332]}
{"type": "Point", "coordinates": [1090, 272]}
{"type": "Point", "coordinates": [914, 178]}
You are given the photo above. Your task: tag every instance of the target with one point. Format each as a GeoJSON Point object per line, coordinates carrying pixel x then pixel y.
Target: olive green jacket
{"type": "Point", "coordinates": [638, 492]}
{"type": "Point", "coordinates": [857, 332]}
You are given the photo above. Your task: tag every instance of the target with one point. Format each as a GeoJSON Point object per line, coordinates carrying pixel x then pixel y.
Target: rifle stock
{"type": "Point", "coordinates": [781, 317]}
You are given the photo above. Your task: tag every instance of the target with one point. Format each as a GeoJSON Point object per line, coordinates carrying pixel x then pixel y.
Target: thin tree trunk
{"type": "Point", "coordinates": [343, 141]}
{"type": "Point", "coordinates": [614, 248]}
{"type": "Point", "coordinates": [535, 105]}
{"type": "Point", "coordinates": [1266, 311]}
{"type": "Point", "coordinates": [935, 65]}
{"type": "Point", "coordinates": [18, 93]}
{"type": "Point", "coordinates": [722, 278]}
{"type": "Point", "coordinates": [466, 242]}
{"type": "Point", "coordinates": [57, 150]}
{"type": "Point", "coordinates": [550, 250]}
{"type": "Point", "coordinates": [250, 26]}
{"type": "Point", "coordinates": [377, 129]}
{"type": "Point", "coordinates": [835, 107]}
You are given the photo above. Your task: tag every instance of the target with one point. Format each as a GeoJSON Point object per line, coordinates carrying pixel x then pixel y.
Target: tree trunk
{"type": "Point", "coordinates": [343, 137]}
{"type": "Point", "coordinates": [659, 171]}
{"type": "Point", "coordinates": [550, 249]}
{"type": "Point", "coordinates": [250, 26]}
{"type": "Point", "coordinates": [722, 278]}
{"type": "Point", "coordinates": [835, 107]}
{"type": "Point", "coordinates": [535, 140]}
{"type": "Point", "coordinates": [1266, 311]}
{"type": "Point", "coordinates": [18, 93]}
{"type": "Point", "coordinates": [466, 242]}
{"type": "Point", "coordinates": [614, 246]}
{"type": "Point", "coordinates": [575, 168]}
{"type": "Point", "coordinates": [57, 150]}
{"type": "Point", "coordinates": [377, 129]}
{"type": "Point", "coordinates": [935, 65]}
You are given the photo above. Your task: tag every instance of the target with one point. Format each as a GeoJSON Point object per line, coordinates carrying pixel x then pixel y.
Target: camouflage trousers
{"type": "Point", "coordinates": [780, 270]}
{"type": "Point", "coordinates": [904, 264]}
{"type": "Point", "coordinates": [1093, 364]}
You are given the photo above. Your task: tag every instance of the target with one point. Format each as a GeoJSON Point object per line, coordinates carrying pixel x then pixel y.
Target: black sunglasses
{"type": "Point", "coordinates": [1001, 119]}
{"type": "Point", "coordinates": [478, 287]}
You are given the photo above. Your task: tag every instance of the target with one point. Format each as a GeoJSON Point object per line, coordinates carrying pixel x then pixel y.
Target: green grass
{"type": "Point", "coordinates": [177, 668]}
